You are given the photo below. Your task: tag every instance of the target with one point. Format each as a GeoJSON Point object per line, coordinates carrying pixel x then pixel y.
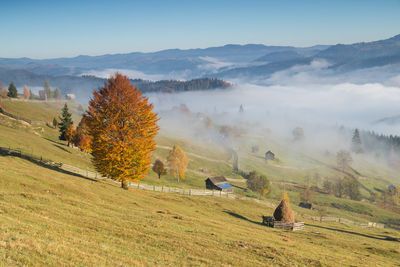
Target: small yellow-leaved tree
{"type": "Point", "coordinates": [177, 162]}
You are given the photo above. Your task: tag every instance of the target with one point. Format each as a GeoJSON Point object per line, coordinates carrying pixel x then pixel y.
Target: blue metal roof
{"type": "Point", "coordinates": [226, 185]}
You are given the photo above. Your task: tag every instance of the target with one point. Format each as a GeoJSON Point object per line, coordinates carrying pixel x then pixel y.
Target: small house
{"type": "Point", "coordinates": [70, 97]}
{"type": "Point", "coordinates": [269, 155]}
{"type": "Point", "coordinates": [42, 95]}
{"type": "Point", "coordinates": [219, 183]}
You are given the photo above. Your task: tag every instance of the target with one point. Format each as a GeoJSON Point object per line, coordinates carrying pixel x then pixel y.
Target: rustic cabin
{"type": "Point", "coordinates": [42, 95]}
{"type": "Point", "coordinates": [219, 183]}
{"type": "Point", "coordinates": [269, 155]}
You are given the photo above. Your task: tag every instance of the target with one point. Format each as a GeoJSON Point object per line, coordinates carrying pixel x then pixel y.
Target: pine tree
{"type": "Point", "coordinates": [177, 162]}
{"type": "Point", "coordinates": [122, 126]}
{"type": "Point", "coordinates": [356, 142]}
{"type": "Point", "coordinates": [65, 122]}
{"type": "Point", "coordinates": [55, 122]}
{"type": "Point", "coordinates": [12, 91]}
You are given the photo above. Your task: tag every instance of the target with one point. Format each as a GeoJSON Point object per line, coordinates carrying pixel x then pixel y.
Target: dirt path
{"type": "Point", "coordinates": [197, 156]}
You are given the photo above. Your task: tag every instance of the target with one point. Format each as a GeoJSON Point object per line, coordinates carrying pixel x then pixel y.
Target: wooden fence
{"type": "Point", "coordinates": [289, 226]}
{"type": "Point", "coordinates": [14, 116]}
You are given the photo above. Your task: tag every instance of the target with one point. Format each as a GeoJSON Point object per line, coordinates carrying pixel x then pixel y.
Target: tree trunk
{"type": "Point", "coordinates": [124, 184]}
{"type": "Point", "coordinates": [159, 176]}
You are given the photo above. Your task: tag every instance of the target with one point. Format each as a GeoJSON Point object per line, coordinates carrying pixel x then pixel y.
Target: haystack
{"type": "Point", "coordinates": [284, 213]}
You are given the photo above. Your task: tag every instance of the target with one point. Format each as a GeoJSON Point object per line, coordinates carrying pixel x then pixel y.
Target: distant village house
{"type": "Point", "coordinates": [70, 97]}
{"type": "Point", "coordinates": [42, 95]}
{"type": "Point", "coordinates": [269, 155]}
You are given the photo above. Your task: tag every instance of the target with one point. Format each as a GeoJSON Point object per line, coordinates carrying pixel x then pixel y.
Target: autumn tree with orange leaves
{"type": "Point", "coordinates": [122, 126]}
{"type": "Point", "coordinates": [82, 140]}
{"type": "Point", "coordinates": [177, 162]}
{"type": "Point", "coordinates": [70, 134]}
{"type": "Point", "coordinates": [27, 93]}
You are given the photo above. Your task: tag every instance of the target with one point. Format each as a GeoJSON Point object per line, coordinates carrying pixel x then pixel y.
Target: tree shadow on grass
{"type": "Point", "coordinates": [242, 217]}
{"type": "Point", "coordinates": [55, 142]}
{"type": "Point", "coordinates": [63, 149]}
{"type": "Point", "coordinates": [379, 237]}
{"type": "Point", "coordinates": [40, 162]}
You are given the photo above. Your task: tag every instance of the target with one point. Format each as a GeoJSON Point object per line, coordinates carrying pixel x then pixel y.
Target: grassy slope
{"type": "Point", "coordinates": [49, 218]}
{"type": "Point", "coordinates": [43, 141]}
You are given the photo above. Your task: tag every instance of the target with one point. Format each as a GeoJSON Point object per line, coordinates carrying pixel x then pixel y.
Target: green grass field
{"type": "Point", "coordinates": [49, 218]}
{"type": "Point", "coordinates": [52, 218]}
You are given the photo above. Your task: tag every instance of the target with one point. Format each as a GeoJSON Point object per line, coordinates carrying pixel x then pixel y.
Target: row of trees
{"type": "Point", "coordinates": [13, 92]}
{"type": "Point", "coordinates": [10, 92]}
{"type": "Point", "coordinates": [341, 187]}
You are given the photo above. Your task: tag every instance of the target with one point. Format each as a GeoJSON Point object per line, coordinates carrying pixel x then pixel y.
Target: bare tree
{"type": "Point", "coordinates": [343, 159]}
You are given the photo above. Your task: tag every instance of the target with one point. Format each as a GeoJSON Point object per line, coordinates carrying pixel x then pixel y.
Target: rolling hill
{"type": "Point", "coordinates": [50, 217]}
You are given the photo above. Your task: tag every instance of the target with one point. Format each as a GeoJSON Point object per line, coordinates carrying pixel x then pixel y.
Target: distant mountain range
{"type": "Point", "coordinates": [250, 61]}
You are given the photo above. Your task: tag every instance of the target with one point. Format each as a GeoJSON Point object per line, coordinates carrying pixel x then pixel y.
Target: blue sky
{"type": "Point", "coordinates": [46, 29]}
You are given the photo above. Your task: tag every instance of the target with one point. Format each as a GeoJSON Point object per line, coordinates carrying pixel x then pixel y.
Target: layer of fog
{"type": "Point", "coordinates": [347, 104]}
{"type": "Point", "coordinates": [312, 97]}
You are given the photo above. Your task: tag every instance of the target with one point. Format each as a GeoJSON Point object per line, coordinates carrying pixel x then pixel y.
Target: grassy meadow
{"type": "Point", "coordinates": [48, 217]}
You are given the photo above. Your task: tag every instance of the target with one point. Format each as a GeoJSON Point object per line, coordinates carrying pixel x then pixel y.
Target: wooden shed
{"type": "Point", "coordinates": [269, 155]}
{"type": "Point", "coordinates": [219, 183]}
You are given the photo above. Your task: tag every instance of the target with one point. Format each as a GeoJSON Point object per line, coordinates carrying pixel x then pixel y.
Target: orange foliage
{"type": "Point", "coordinates": [82, 138]}
{"type": "Point", "coordinates": [70, 134]}
{"type": "Point", "coordinates": [177, 162]}
{"type": "Point", "coordinates": [122, 126]}
{"type": "Point", "coordinates": [27, 94]}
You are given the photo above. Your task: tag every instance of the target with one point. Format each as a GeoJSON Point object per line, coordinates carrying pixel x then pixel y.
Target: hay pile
{"type": "Point", "coordinates": [284, 213]}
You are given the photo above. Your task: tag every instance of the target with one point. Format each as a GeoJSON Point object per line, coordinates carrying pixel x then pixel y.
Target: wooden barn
{"type": "Point", "coordinates": [269, 155]}
{"type": "Point", "coordinates": [219, 183]}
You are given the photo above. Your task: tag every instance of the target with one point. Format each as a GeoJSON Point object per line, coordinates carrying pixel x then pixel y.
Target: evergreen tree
{"type": "Point", "coordinates": [66, 121]}
{"type": "Point", "coordinates": [12, 91]}
{"type": "Point", "coordinates": [31, 95]}
{"type": "Point", "coordinates": [241, 110]}
{"type": "Point", "coordinates": [55, 122]}
{"type": "Point", "coordinates": [356, 142]}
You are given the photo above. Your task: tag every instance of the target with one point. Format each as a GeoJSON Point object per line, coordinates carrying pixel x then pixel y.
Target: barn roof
{"type": "Point", "coordinates": [217, 179]}
{"type": "Point", "coordinates": [225, 185]}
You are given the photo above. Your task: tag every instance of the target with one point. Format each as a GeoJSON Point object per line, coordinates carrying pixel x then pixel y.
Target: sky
{"type": "Point", "coordinates": [49, 29]}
